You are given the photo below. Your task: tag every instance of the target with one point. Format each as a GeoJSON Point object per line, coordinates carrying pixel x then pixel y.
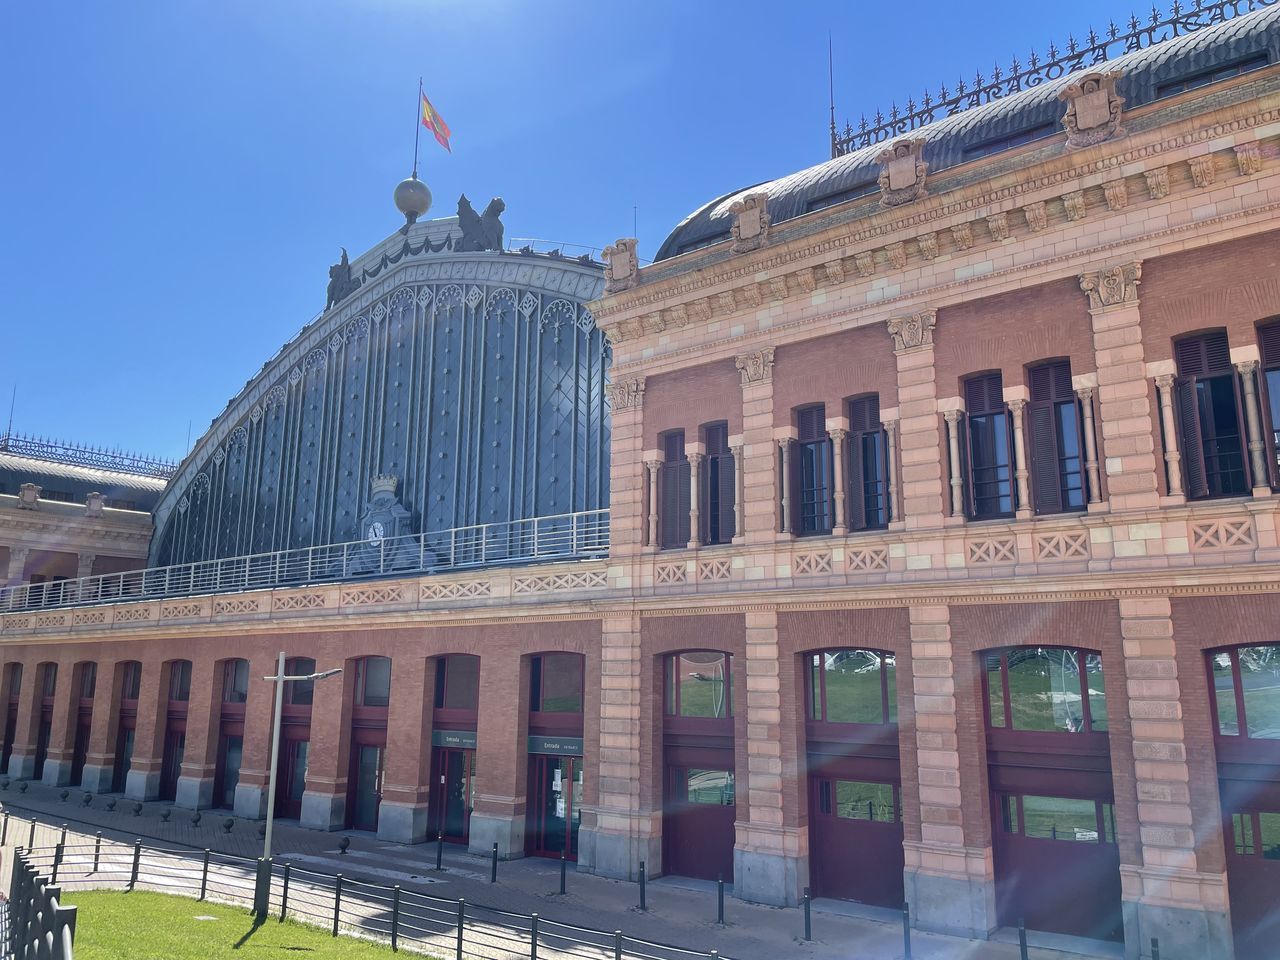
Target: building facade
{"type": "Point", "coordinates": [942, 552]}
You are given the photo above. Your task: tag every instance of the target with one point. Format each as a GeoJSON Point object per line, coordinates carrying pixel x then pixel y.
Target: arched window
{"type": "Point", "coordinates": [131, 680]}
{"type": "Point", "coordinates": [298, 693]}
{"type": "Point", "coordinates": [1209, 417]}
{"type": "Point", "coordinates": [235, 681]}
{"type": "Point", "coordinates": [852, 686]}
{"type": "Point", "coordinates": [373, 681]}
{"type": "Point", "coordinates": [180, 680]}
{"type": "Point", "coordinates": [555, 683]}
{"type": "Point", "coordinates": [458, 682]}
{"type": "Point", "coordinates": [699, 684]}
{"type": "Point", "coordinates": [1246, 691]}
{"type": "Point", "coordinates": [48, 680]}
{"type": "Point", "coordinates": [1045, 689]}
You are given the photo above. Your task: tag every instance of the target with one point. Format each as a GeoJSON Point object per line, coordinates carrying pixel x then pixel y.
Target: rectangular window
{"type": "Point", "coordinates": [1242, 832]}
{"type": "Point", "coordinates": [867, 497]}
{"type": "Point", "coordinates": [235, 681]}
{"type": "Point", "coordinates": [854, 685]}
{"type": "Point", "coordinates": [1183, 84]}
{"type": "Point", "coordinates": [300, 693]}
{"type": "Point", "coordinates": [1224, 694]}
{"type": "Point", "coordinates": [88, 681]}
{"type": "Point", "coordinates": [863, 800]}
{"type": "Point", "coordinates": [1009, 814]}
{"type": "Point", "coordinates": [699, 684]}
{"type": "Point", "coordinates": [1060, 818]}
{"type": "Point", "coordinates": [1260, 686]}
{"type": "Point", "coordinates": [995, 691]}
{"type": "Point", "coordinates": [1054, 440]}
{"type": "Point", "coordinates": [673, 493]}
{"type": "Point", "coordinates": [180, 680]}
{"type": "Point", "coordinates": [458, 682]}
{"type": "Point", "coordinates": [1269, 835]}
{"type": "Point", "coordinates": [717, 486]}
{"type": "Point", "coordinates": [132, 681]}
{"type": "Point", "coordinates": [811, 473]}
{"type": "Point", "coordinates": [713, 787]}
{"type": "Point", "coordinates": [1209, 417]}
{"type": "Point", "coordinates": [988, 437]}
{"type": "Point", "coordinates": [556, 683]}
{"type": "Point", "coordinates": [1097, 691]}
{"type": "Point", "coordinates": [373, 682]}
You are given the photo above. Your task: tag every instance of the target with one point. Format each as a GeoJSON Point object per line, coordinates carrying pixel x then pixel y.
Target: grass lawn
{"type": "Point", "coordinates": [156, 926]}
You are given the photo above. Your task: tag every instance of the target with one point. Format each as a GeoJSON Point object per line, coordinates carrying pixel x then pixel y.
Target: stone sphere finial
{"type": "Point", "coordinates": [413, 199]}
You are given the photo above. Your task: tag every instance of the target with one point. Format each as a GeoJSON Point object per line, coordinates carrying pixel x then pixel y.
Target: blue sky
{"type": "Point", "coordinates": [176, 177]}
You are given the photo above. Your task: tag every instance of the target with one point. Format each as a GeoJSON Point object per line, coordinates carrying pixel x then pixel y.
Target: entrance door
{"type": "Point", "coordinates": [366, 784]}
{"type": "Point", "coordinates": [697, 822]}
{"type": "Point", "coordinates": [455, 772]}
{"type": "Point", "coordinates": [1253, 877]}
{"type": "Point", "coordinates": [42, 746]}
{"type": "Point", "coordinates": [555, 793]}
{"type": "Point", "coordinates": [79, 752]}
{"type": "Point", "coordinates": [292, 779]}
{"type": "Point", "coordinates": [124, 757]}
{"type": "Point", "coordinates": [175, 746]}
{"type": "Point", "coordinates": [227, 773]}
{"type": "Point", "coordinates": [1057, 865]}
{"type": "Point", "coordinates": [856, 849]}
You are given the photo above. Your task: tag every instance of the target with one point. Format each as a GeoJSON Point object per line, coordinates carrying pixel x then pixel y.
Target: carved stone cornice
{"type": "Point", "coordinates": [1113, 286]}
{"type": "Point", "coordinates": [913, 330]}
{"type": "Point", "coordinates": [756, 367]}
{"type": "Point", "coordinates": [626, 394]}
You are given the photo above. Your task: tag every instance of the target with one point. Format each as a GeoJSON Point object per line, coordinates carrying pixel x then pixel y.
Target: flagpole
{"type": "Point", "coordinates": [417, 122]}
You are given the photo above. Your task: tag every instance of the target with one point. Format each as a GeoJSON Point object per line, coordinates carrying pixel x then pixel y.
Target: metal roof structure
{"type": "Point", "coordinates": [1247, 35]}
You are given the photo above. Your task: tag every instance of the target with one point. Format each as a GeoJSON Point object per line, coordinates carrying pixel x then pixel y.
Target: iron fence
{"type": "Point", "coordinates": [38, 924]}
{"type": "Point", "coordinates": [568, 536]}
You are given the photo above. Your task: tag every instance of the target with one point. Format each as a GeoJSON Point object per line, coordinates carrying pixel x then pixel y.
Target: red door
{"type": "Point", "coordinates": [453, 795]}
{"type": "Point", "coordinates": [1253, 880]}
{"type": "Point", "coordinates": [291, 778]}
{"type": "Point", "coordinates": [175, 745]}
{"type": "Point", "coordinates": [856, 829]}
{"type": "Point", "coordinates": [1057, 865]}
{"type": "Point", "coordinates": [698, 817]}
{"type": "Point", "coordinates": [555, 798]}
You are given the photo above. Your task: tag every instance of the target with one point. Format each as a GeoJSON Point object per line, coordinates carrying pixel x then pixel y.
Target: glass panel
{"type": "Point", "coordinates": [562, 683]}
{"type": "Point", "coordinates": [815, 687]}
{"type": "Point", "coordinates": [376, 688]}
{"type": "Point", "coordinates": [713, 787]}
{"type": "Point", "coordinates": [180, 680]}
{"type": "Point", "coordinates": [235, 681]}
{"type": "Point", "coordinates": [455, 797]}
{"type": "Point", "coordinates": [368, 785]}
{"type": "Point", "coordinates": [1269, 835]}
{"type": "Point", "coordinates": [705, 690]}
{"type": "Point", "coordinates": [1224, 691]}
{"type": "Point", "coordinates": [1260, 682]}
{"type": "Point", "coordinates": [1044, 689]}
{"type": "Point", "coordinates": [298, 777]}
{"type": "Point", "coordinates": [815, 494]}
{"type": "Point", "coordinates": [995, 692]}
{"type": "Point", "coordinates": [891, 685]}
{"type": "Point", "coordinates": [1109, 823]}
{"type": "Point", "coordinates": [1095, 683]}
{"type": "Point", "coordinates": [854, 693]}
{"type": "Point", "coordinates": [1060, 818]}
{"type": "Point", "coordinates": [232, 751]}
{"type": "Point", "coordinates": [1273, 404]}
{"type": "Point", "coordinates": [301, 692]}
{"type": "Point", "coordinates": [860, 800]}
{"type": "Point", "coordinates": [1009, 813]}
{"type": "Point", "coordinates": [1070, 476]}
{"type": "Point", "coordinates": [1220, 431]}
{"type": "Point", "coordinates": [575, 806]}
{"type": "Point", "coordinates": [989, 445]}
{"type": "Point", "coordinates": [1242, 829]}
{"type": "Point", "coordinates": [555, 797]}
{"type": "Point", "coordinates": [461, 682]}
{"type": "Point", "coordinates": [669, 684]}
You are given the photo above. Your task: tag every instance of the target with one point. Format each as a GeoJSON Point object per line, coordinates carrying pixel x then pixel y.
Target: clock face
{"type": "Point", "coordinates": [376, 532]}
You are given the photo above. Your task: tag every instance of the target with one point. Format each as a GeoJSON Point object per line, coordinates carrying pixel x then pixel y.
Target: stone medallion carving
{"type": "Point", "coordinates": [621, 265]}
{"type": "Point", "coordinates": [913, 330]}
{"type": "Point", "coordinates": [750, 222]}
{"type": "Point", "coordinates": [1093, 109]}
{"type": "Point", "coordinates": [902, 173]}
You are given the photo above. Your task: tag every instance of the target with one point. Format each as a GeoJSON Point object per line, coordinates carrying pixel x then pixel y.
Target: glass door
{"type": "Point", "coordinates": [455, 781]}
{"type": "Point", "coordinates": [292, 779]}
{"type": "Point", "coordinates": [555, 798]}
{"type": "Point", "coordinates": [368, 786]}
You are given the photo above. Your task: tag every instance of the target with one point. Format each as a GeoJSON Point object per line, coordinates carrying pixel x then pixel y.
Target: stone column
{"type": "Point", "coordinates": [255, 759]}
{"type": "Point", "coordinates": [100, 757]}
{"type": "Point", "coordinates": [759, 457]}
{"type": "Point", "coordinates": [204, 718]}
{"type": "Point", "coordinates": [891, 456]}
{"type": "Point", "coordinates": [17, 564]}
{"type": "Point", "coordinates": [1020, 471]}
{"type": "Point", "coordinates": [1128, 431]}
{"type": "Point", "coordinates": [84, 565]}
{"type": "Point", "coordinates": [22, 760]}
{"type": "Point", "coordinates": [736, 450]}
{"type": "Point", "coordinates": [626, 479]}
{"type": "Point", "coordinates": [949, 882]}
{"type": "Point", "coordinates": [923, 500]}
{"type": "Point", "coordinates": [1172, 456]}
{"type": "Point", "coordinates": [62, 729]}
{"type": "Point", "coordinates": [402, 815]}
{"type": "Point", "coordinates": [502, 757]}
{"type": "Point", "coordinates": [953, 446]}
{"type": "Point", "coordinates": [1169, 896]}
{"type": "Point", "coordinates": [324, 800]}
{"type": "Point", "coordinates": [771, 856]}
{"type": "Point", "coordinates": [784, 485]}
{"type": "Point", "coordinates": [143, 779]}
{"type": "Point", "coordinates": [696, 461]}
{"type": "Point", "coordinates": [838, 437]}
{"type": "Point", "coordinates": [1090, 445]}
{"type": "Point", "coordinates": [621, 829]}
{"type": "Point", "coordinates": [1253, 420]}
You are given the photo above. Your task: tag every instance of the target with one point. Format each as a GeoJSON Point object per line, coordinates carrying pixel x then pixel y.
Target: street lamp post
{"type": "Point", "coordinates": [262, 892]}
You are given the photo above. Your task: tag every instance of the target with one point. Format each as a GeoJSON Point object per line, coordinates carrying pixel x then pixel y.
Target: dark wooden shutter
{"type": "Point", "coordinates": [673, 492]}
{"type": "Point", "coordinates": [1192, 448]}
{"type": "Point", "coordinates": [864, 414]}
{"type": "Point", "coordinates": [1203, 355]}
{"type": "Point", "coordinates": [1049, 384]}
{"type": "Point", "coordinates": [811, 422]}
{"type": "Point", "coordinates": [984, 393]}
{"type": "Point", "coordinates": [716, 506]}
{"type": "Point", "coordinates": [795, 474]}
{"type": "Point", "coordinates": [726, 489]}
{"type": "Point", "coordinates": [864, 419]}
{"type": "Point", "coordinates": [1269, 345]}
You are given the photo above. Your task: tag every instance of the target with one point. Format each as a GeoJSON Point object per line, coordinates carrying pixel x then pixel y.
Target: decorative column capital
{"type": "Point", "coordinates": [1016, 406]}
{"type": "Point", "coordinates": [838, 434]}
{"type": "Point", "coordinates": [626, 394]}
{"type": "Point", "coordinates": [1084, 393]}
{"type": "Point", "coordinates": [1247, 367]}
{"type": "Point", "coordinates": [653, 465]}
{"type": "Point", "coordinates": [1112, 286]}
{"type": "Point", "coordinates": [756, 367]}
{"type": "Point", "coordinates": [952, 416]}
{"type": "Point", "coordinates": [1165, 381]}
{"type": "Point", "coordinates": [913, 330]}
{"type": "Point", "coordinates": [696, 459]}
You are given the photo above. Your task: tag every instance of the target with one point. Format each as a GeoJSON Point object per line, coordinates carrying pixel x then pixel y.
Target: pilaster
{"type": "Point", "coordinates": [66, 703]}
{"type": "Point", "coordinates": [22, 760]}
{"type": "Point", "coordinates": [324, 800]}
{"type": "Point", "coordinates": [101, 755]}
{"type": "Point", "coordinates": [255, 760]}
{"type": "Point", "coordinates": [759, 456]}
{"type": "Point", "coordinates": [200, 758]}
{"type": "Point", "coordinates": [143, 780]}
{"type": "Point", "coordinates": [501, 740]}
{"type": "Point", "coordinates": [402, 814]}
{"type": "Point", "coordinates": [626, 472]}
{"type": "Point", "coordinates": [920, 439]}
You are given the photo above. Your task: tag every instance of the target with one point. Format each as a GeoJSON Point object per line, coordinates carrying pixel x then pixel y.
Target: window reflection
{"type": "Point", "coordinates": [1044, 689]}
{"type": "Point", "coordinates": [698, 684]}
{"type": "Point", "coordinates": [1246, 691]}
{"type": "Point", "coordinates": [853, 686]}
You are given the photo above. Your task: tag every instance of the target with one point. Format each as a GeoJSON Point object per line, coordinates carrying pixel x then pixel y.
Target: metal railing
{"type": "Point", "coordinates": [39, 925]}
{"type": "Point", "coordinates": [447, 928]}
{"type": "Point", "coordinates": [567, 536]}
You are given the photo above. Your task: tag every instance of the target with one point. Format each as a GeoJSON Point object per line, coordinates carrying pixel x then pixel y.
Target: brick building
{"type": "Point", "coordinates": [941, 558]}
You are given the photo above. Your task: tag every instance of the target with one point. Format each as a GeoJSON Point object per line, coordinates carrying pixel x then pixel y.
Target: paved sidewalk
{"type": "Point", "coordinates": [680, 912]}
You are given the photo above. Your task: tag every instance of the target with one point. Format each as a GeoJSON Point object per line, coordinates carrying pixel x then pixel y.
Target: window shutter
{"type": "Point", "coordinates": [984, 393]}
{"type": "Point", "coordinates": [1203, 355]}
{"type": "Point", "coordinates": [673, 494]}
{"type": "Point", "coordinates": [856, 474]}
{"type": "Point", "coordinates": [673, 446]}
{"type": "Point", "coordinates": [966, 465]}
{"type": "Point", "coordinates": [1046, 484]}
{"type": "Point", "coordinates": [1269, 342]}
{"type": "Point", "coordinates": [793, 488]}
{"type": "Point", "coordinates": [726, 488]}
{"type": "Point", "coordinates": [1192, 449]}
{"type": "Point", "coordinates": [716, 438]}
{"type": "Point", "coordinates": [864, 414]}
{"type": "Point", "coordinates": [811, 422]}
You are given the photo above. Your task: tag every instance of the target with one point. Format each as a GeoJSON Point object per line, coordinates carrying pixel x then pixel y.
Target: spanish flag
{"type": "Point", "coordinates": [435, 123]}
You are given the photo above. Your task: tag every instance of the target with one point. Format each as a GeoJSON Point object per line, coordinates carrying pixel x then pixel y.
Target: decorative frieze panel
{"type": "Point", "coordinates": [1072, 545]}
{"type": "Point", "coordinates": [626, 394]}
{"type": "Point", "coordinates": [588, 580]}
{"type": "Point", "coordinates": [666, 574]}
{"type": "Point", "coordinates": [914, 330]}
{"type": "Point", "coordinates": [85, 618]}
{"type": "Point", "coordinates": [1157, 182]}
{"type": "Point", "coordinates": [1202, 170]}
{"type": "Point", "coordinates": [1248, 158]}
{"type": "Point", "coordinates": [180, 611]}
{"type": "Point", "coordinates": [372, 594]}
{"type": "Point", "coordinates": [299, 601]}
{"type": "Point", "coordinates": [993, 550]}
{"type": "Point", "coordinates": [51, 620]}
{"type": "Point", "coordinates": [18, 623]}
{"type": "Point", "coordinates": [868, 559]}
{"type": "Point", "coordinates": [720, 568]}
{"type": "Point", "coordinates": [1224, 534]}
{"type": "Point", "coordinates": [134, 614]}
{"type": "Point", "coordinates": [1074, 204]}
{"type": "Point", "coordinates": [811, 564]}
{"type": "Point", "coordinates": [1037, 215]}
{"type": "Point", "coordinates": [236, 606]}
{"type": "Point", "coordinates": [455, 590]}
